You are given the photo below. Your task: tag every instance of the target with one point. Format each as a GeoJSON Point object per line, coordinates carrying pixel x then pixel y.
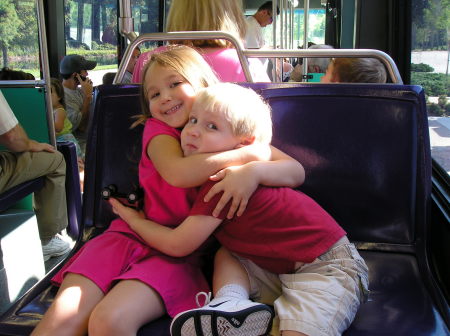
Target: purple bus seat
{"type": "Point", "coordinates": [15, 194]}
{"type": "Point", "coordinates": [366, 152]}
{"type": "Point", "coordinates": [73, 190]}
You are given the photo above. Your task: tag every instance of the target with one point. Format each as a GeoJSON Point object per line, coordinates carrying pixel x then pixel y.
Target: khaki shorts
{"type": "Point", "coordinates": [320, 298]}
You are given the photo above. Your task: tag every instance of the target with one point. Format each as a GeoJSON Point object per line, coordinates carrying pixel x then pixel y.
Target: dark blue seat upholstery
{"type": "Point", "coordinates": [366, 152]}
{"type": "Point", "coordinates": [73, 193]}
{"type": "Point", "coordinates": [15, 194]}
{"type": "Point", "coordinates": [73, 190]}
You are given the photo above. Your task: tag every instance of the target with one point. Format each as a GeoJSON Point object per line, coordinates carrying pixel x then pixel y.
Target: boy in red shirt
{"type": "Point", "coordinates": [284, 250]}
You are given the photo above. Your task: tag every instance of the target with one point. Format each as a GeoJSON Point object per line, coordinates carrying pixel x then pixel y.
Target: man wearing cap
{"type": "Point", "coordinates": [77, 91]}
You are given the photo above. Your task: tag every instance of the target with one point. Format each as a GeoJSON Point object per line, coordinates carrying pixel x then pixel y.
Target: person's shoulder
{"type": "Point", "coordinates": [156, 127]}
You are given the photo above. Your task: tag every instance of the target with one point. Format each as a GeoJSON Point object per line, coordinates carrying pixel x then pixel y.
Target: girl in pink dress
{"type": "Point", "coordinates": [116, 283]}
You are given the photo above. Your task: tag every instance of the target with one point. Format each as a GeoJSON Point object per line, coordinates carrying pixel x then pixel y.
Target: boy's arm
{"type": "Point", "coordinates": [238, 183]}
{"type": "Point", "coordinates": [175, 242]}
{"type": "Point", "coordinates": [191, 171]}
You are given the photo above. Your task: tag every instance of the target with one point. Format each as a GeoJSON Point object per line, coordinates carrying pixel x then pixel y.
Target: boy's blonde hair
{"type": "Point", "coordinates": [213, 15]}
{"type": "Point", "coordinates": [247, 112]}
{"type": "Point", "coordinates": [184, 60]}
{"type": "Point", "coordinates": [358, 70]}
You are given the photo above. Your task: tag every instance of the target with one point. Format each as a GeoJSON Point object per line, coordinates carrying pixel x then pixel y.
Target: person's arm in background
{"type": "Point", "coordinates": [17, 140]}
{"type": "Point", "coordinates": [13, 135]}
{"type": "Point", "coordinates": [60, 116]}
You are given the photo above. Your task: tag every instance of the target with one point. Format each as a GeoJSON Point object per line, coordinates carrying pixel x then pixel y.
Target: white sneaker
{"type": "Point", "coordinates": [224, 316]}
{"type": "Point", "coordinates": [55, 247]}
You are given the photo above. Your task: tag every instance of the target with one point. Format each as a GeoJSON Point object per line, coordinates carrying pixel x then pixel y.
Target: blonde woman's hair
{"type": "Point", "coordinates": [358, 70]}
{"type": "Point", "coordinates": [213, 15]}
{"type": "Point", "coordinates": [249, 115]}
{"type": "Point", "coordinates": [184, 60]}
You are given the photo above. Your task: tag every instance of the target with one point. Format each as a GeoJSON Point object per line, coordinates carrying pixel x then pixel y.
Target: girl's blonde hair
{"type": "Point", "coordinates": [184, 60]}
{"type": "Point", "coordinates": [213, 15]}
{"type": "Point", "coordinates": [248, 114]}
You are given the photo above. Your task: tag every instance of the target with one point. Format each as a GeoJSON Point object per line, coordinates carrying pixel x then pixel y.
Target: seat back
{"type": "Point", "coordinates": [365, 149]}
{"type": "Point", "coordinates": [113, 150]}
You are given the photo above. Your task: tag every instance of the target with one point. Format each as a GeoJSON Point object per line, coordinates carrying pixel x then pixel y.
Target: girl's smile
{"type": "Point", "coordinates": [169, 94]}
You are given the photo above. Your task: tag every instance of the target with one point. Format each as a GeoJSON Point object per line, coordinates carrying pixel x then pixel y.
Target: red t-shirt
{"type": "Point", "coordinates": [280, 227]}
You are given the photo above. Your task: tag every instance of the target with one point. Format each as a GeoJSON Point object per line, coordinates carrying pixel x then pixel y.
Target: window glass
{"type": "Point", "coordinates": [91, 30]}
{"type": "Point", "coordinates": [19, 39]}
{"type": "Point", "coordinates": [429, 68]}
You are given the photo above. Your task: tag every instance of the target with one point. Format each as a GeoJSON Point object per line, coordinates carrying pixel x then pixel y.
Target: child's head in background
{"type": "Point", "coordinates": [57, 93]}
{"type": "Point", "coordinates": [226, 116]}
{"type": "Point", "coordinates": [355, 70]}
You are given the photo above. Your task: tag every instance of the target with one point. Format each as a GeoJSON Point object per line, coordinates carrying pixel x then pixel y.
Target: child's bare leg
{"type": "Point", "coordinates": [69, 312]}
{"type": "Point", "coordinates": [230, 309]}
{"type": "Point", "coordinates": [227, 271]}
{"type": "Point", "coordinates": [128, 306]}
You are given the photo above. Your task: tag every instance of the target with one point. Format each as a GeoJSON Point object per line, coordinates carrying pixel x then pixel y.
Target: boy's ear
{"type": "Point", "coordinates": [247, 141]}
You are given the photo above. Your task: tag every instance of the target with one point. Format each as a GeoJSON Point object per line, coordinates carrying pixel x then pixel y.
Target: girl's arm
{"type": "Point", "coordinates": [191, 171]}
{"type": "Point", "coordinates": [60, 115]}
{"type": "Point", "coordinates": [175, 242]}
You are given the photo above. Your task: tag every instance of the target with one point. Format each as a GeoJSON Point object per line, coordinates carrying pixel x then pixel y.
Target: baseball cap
{"type": "Point", "coordinates": [75, 63]}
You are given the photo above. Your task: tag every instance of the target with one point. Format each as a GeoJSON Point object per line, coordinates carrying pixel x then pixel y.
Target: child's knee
{"type": "Point", "coordinates": [104, 321]}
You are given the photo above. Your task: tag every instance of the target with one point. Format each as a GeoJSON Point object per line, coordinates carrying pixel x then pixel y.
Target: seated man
{"type": "Point", "coordinates": [27, 160]}
{"type": "Point", "coordinates": [73, 69]}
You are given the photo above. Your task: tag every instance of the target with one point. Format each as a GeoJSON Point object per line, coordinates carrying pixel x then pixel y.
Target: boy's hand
{"type": "Point", "coordinates": [237, 183]}
{"type": "Point", "coordinates": [128, 214]}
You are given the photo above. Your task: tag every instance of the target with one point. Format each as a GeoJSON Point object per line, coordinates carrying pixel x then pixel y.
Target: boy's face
{"type": "Point", "coordinates": [207, 132]}
{"type": "Point", "coordinates": [170, 95]}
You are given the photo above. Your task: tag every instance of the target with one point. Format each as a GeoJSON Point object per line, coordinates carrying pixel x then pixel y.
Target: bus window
{"type": "Point", "coordinates": [19, 38]}
{"type": "Point", "coordinates": [91, 30]}
{"type": "Point", "coordinates": [429, 68]}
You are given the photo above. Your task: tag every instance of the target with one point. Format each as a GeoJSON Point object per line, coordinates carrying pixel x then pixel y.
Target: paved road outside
{"type": "Point", "coordinates": [436, 59]}
{"type": "Point", "coordinates": [440, 140]}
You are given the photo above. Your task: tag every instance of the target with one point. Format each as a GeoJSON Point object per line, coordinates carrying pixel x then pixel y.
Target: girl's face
{"type": "Point", "coordinates": [169, 94]}
{"type": "Point", "coordinates": [55, 98]}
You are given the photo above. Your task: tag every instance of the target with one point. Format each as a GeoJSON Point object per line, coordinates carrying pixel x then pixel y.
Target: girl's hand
{"type": "Point", "coordinates": [128, 214]}
{"type": "Point", "coordinates": [237, 183]}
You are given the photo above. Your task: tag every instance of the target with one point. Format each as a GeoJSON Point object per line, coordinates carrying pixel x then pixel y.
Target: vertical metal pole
{"type": "Point", "coordinates": [305, 36]}
{"type": "Point", "coordinates": [274, 36]}
{"type": "Point", "coordinates": [45, 70]}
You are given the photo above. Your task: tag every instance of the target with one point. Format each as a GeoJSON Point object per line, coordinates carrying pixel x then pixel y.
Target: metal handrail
{"type": "Point", "coordinates": [312, 53]}
{"type": "Point", "coordinates": [174, 36]}
{"type": "Point", "coordinates": [243, 54]}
